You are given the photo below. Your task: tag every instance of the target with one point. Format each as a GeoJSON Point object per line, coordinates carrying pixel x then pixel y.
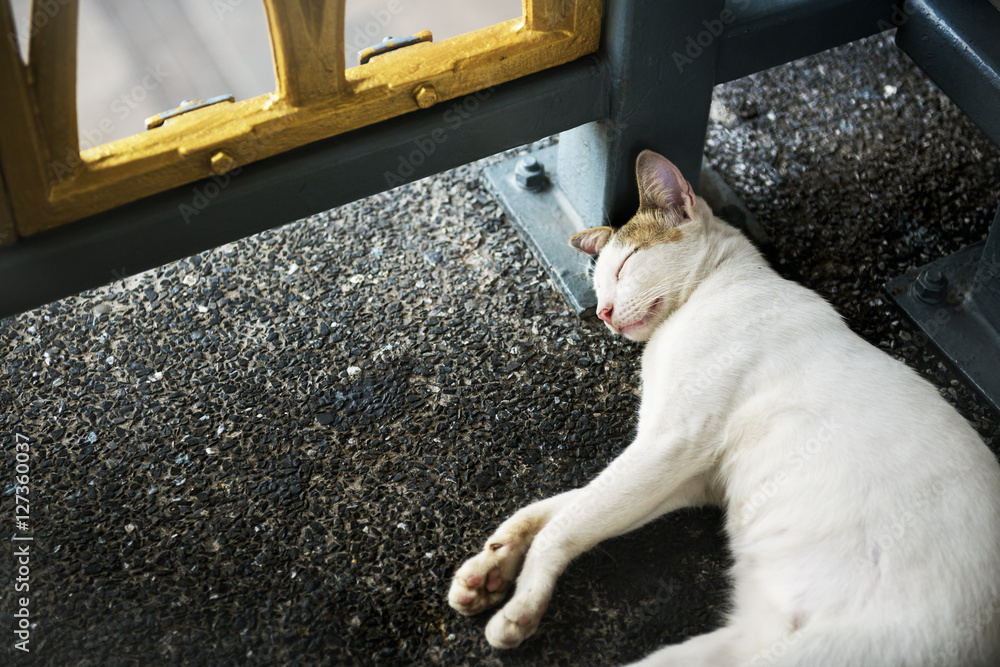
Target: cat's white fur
{"type": "Point", "coordinates": [863, 511]}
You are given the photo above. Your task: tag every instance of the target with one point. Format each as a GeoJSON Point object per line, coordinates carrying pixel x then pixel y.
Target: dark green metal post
{"type": "Point", "coordinates": [661, 58]}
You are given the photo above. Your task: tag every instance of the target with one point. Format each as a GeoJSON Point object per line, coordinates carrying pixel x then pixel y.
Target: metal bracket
{"type": "Point", "coordinates": [391, 44]}
{"type": "Point", "coordinates": [185, 106]}
{"type": "Point", "coordinates": [545, 220]}
{"type": "Point", "coordinates": [955, 301]}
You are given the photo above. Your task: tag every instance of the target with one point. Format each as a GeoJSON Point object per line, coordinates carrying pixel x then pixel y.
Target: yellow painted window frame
{"type": "Point", "coordinates": [51, 182]}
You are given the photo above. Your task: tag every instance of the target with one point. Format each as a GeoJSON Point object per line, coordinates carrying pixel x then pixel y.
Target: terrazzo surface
{"type": "Point", "coordinates": [278, 451]}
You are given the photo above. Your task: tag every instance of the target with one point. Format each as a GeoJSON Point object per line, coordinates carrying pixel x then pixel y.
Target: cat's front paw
{"type": "Point", "coordinates": [517, 621]}
{"type": "Point", "coordinates": [483, 580]}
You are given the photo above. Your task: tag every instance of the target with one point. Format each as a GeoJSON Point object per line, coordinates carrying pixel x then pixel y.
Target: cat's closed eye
{"type": "Point", "coordinates": [622, 265]}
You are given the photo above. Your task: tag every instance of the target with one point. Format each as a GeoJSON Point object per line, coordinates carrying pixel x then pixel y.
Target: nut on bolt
{"type": "Point", "coordinates": [530, 174]}
{"type": "Point", "coordinates": [222, 163]}
{"type": "Point", "coordinates": [425, 96]}
{"type": "Point", "coordinates": [931, 287]}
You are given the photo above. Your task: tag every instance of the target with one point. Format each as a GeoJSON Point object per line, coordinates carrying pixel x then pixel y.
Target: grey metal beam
{"type": "Point", "coordinates": [958, 45]}
{"type": "Point", "coordinates": [764, 33]}
{"type": "Point", "coordinates": [287, 187]}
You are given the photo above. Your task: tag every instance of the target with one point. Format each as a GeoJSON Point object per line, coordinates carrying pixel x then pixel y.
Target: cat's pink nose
{"type": "Point", "coordinates": [606, 312]}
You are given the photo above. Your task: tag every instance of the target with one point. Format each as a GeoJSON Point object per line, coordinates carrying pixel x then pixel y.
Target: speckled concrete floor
{"type": "Point", "coordinates": [278, 451]}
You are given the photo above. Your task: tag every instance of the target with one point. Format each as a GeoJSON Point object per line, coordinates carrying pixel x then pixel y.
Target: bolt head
{"type": "Point", "coordinates": [223, 163]}
{"type": "Point", "coordinates": [425, 96]}
{"type": "Point", "coordinates": [530, 174]}
{"type": "Point", "coordinates": [931, 287]}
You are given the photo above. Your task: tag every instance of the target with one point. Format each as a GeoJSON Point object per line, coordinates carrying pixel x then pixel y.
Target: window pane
{"type": "Point", "coordinates": [140, 57]}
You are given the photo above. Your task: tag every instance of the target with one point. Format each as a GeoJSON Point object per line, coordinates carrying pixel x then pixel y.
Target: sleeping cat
{"type": "Point", "coordinates": [862, 510]}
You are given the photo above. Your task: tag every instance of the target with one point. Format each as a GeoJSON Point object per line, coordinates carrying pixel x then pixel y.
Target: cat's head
{"type": "Point", "coordinates": [645, 267]}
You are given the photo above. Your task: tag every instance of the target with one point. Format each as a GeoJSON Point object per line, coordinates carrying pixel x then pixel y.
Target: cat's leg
{"type": "Point", "coordinates": [483, 580]}
{"type": "Point", "coordinates": [643, 483]}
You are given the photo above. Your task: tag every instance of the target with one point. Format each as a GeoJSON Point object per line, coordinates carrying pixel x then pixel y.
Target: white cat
{"type": "Point", "coordinates": [862, 510]}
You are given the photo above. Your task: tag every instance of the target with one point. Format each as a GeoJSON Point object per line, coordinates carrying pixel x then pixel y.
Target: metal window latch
{"type": "Point", "coordinates": [185, 106]}
{"type": "Point", "coordinates": [392, 43]}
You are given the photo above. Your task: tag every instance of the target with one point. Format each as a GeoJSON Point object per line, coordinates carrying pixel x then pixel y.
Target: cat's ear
{"type": "Point", "coordinates": [662, 186]}
{"type": "Point", "coordinates": [591, 240]}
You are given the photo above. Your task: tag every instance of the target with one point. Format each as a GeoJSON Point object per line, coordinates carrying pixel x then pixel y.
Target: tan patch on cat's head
{"type": "Point", "coordinates": [651, 227]}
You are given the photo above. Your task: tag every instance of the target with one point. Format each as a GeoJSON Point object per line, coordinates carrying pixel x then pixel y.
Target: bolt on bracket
{"type": "Point", "coordinates": [955, 304]}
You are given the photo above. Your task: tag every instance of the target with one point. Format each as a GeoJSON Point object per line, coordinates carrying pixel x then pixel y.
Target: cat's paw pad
{"type": "Point", "coordinates": [483, 580]}
{"type": "Point", "coordinates": [517, 621]}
